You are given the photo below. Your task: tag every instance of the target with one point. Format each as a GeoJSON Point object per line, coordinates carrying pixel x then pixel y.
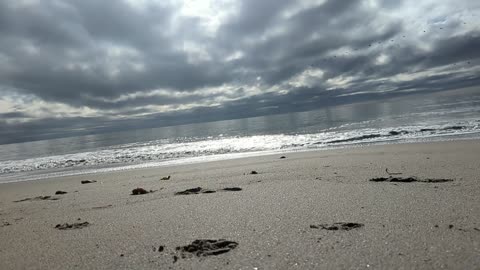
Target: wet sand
{"type": "Point", "coordinates": [310, 210]}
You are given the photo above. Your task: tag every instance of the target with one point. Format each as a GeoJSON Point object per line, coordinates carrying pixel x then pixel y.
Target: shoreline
{"type": "Point", "coordinates": [287, 214]}
{"type": "Point", "coordinates": [81, 171]}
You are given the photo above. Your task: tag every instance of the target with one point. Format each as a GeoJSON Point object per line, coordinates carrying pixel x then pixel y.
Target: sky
{"type": "Point", "coordinates": [70, 67]}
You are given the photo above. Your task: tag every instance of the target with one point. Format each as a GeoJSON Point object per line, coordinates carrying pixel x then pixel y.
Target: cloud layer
{"type": "Point", "coordinates": [75, 67]}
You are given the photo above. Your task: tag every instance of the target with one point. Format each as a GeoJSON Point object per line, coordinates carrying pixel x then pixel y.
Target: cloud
{"type": "Point", "coordinates": [84, 64]}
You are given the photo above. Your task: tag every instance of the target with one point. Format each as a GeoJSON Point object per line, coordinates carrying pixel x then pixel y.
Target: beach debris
{"type": "Point", "coordinates": [392, 173]}
{"type": "Point", "coordinates": [282, 157]}
{"type": "Point", "coordinates": [161, 248]}
{"type": "Point", "coordinates": [175, 258]}
{"type": "Point", "coordinates": [199, 190]}
{"type": "Point", "coordinates": [207, 247]}
{"type": "Point", "coordinates": [409, 180]}
{"type": "Point", "coordinates": [450, 226]}
{"type": "Point", "coordinates": [141, 191]}
{"type": "Point", "coordinates": [42, 198]}
{"type": "Point", "coordinates": [232, 189]}
{"type": "Point", "coordinates": [253, 172]}
{"type": "Point", "coordinates": [196, 190]}
{"type": "Point", "coordinates": [38, 198]}
{"type": "Point", "coordinates": [59, 192]}
{"type": "Point", "coordinates": [67, 226]}
{"type": "Point", "coordinates": [165, 178]}
{"type": "Point", "coordinates": [88, 181]}
{"type": "Point", "coordinates": [338, 226]}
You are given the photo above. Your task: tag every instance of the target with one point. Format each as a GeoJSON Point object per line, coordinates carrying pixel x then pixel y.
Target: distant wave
{"type": "Point", "coordinates": [359, 138]}
{"type": "Point", "coordinates": [394, 133]}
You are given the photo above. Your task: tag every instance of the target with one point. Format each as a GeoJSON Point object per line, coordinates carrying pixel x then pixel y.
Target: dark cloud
{"type": "Point", "coordinates": [10, 115]}
{"type": "Point", "coordinates": [125, 62]}
{"type": "Point", "coordinates": [306, 39]}
{"type": "Point", "coordinates": [88, 38]}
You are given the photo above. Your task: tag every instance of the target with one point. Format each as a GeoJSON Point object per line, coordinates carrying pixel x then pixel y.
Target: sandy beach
{"type": "Point", "coordinates": [309, 210]}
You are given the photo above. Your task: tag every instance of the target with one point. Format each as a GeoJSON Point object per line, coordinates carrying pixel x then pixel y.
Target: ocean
{"type": "Point", "coordinates": [446, 115]}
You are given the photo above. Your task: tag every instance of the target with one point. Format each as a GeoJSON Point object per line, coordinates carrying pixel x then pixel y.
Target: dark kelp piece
{"type": "Point", "coordinates": [409, 180]}
{"type": "Point", "coordinates": [88, 181]}
{"type": "Point", "coordinates": [338, 226]}
{"type": "Point", "coordinates": [165, 178]}
{"type": "Point", "coordinates": [437, 180]}
{"type": "Point", "coordinates": [72, 226]}
{"type": "Point", "coordinates": [253, 172]}
{"type": "Point", "coordinates": [207, 247]}
{"type": "Point", "coordinates": [394, 179]}
{"type": "Point", "coordinates": [196, 190]}
{"type": "Point", "coordinates": [141, 191]}
{"type": "Point", "coordinates": [60, 192]}
{"type": "Point", "coordinates": [38, 198]}
{"type": "Point", "coordinates": [232, 189]}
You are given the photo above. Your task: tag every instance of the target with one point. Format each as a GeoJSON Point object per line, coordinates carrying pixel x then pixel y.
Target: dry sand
{"type": "Point", "coordinates": [283, 217]}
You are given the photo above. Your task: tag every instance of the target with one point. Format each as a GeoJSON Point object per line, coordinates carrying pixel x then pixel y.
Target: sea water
{"type": "Point", "coordinates": [436, 116]}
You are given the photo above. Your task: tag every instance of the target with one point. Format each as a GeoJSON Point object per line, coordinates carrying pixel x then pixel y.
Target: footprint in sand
{"type": "Point", "coordinates": [207, 247]}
